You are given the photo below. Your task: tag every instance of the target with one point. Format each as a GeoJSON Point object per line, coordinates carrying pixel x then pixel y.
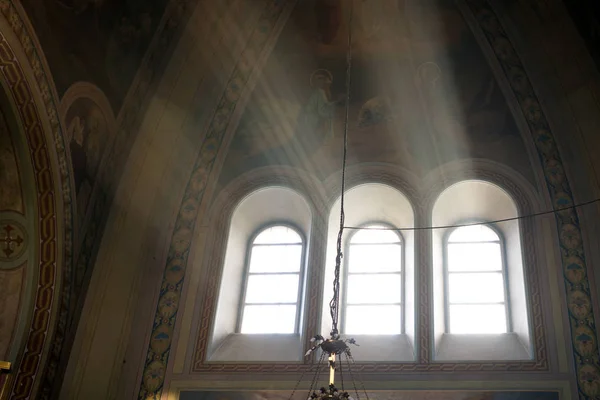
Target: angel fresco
{"type": "Point", "coordinates": [315, 122]}
{"type": "Point", "coordinates": [273, 125]}
{"type": "Point", "coordinates": [88, 129]}
{"type": "Point", "coordinates": [10, 195]}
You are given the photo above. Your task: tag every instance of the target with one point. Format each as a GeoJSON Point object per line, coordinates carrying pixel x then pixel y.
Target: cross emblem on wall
{"type": "Point", "coordinates": [10, 240]}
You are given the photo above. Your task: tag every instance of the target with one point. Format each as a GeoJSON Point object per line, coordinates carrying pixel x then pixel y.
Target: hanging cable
{"type": "Point", "coordinates": [334, 303]}
{"type": "Point", "coordinates": [349, 355]}
{"type": "Point", "coordinates": [341, 368]}
{"type": "Point", "coordinates": [352, 377]}
{"type": "Point", "coordinates": [313, 384]}
{"type": "Point", "coordinates": [304, 371]}
{"type": "Point", "coordinates": [426, 228]}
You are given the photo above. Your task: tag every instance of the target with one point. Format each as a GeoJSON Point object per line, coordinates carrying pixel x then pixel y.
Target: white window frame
{"type": "Point", "coordinates": [347, 272]}
{"type": "Point", "coordinates": [247, 273]}
{"type": "Point", "coordinates": [504, 272]}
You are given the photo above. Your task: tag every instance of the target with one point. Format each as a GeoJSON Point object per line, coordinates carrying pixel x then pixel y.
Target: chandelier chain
{"type": "Point", "coordinates": [341, 363]}
{"type": "Point", "coordinates": [352, 377]}
{"type": "Point", "coordinates": [334, 304]}
{"type": "Point", "coordinates": [315, 378]}
{"type": "Point", "coordinates": [349, 356]}
{"type": "Point", "coordinates": [304, 371]}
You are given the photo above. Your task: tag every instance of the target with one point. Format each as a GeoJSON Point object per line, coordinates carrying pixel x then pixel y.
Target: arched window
{"type": "Point", "coordinates": [373, 291]}
{"type": "Point", "coordinates": [261, 292]}
{"type": "Point", "coordinates": [273, 282]}
{"type": "Point", "coordinates": [475, 281]}
{"type": "Point", "coordinates": [480, 309]}
{"type": "Point", "coordinates": [378, 274]}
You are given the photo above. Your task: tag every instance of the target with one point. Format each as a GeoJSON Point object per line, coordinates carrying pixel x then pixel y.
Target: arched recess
{"type": "Point", "coordinates": [480, 201]}
{"type": "Point", "coordinates": [518, 197]}
{"type": "Point", "coordinates": [371, 202]}
{"type": "Point", "coordinates": [30, 102]}
{"type": "Point", "coordinates": [210, 254]}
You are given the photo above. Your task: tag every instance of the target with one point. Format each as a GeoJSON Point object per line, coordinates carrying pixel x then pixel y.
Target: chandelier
{"type": "Point", "coordinates": [334, 348]}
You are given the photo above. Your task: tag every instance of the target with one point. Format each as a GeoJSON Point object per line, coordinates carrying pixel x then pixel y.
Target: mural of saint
{"type": "Point", "coordinates": [315, 122]}
{"type": "Point", "coordinates": [112, 38]}
{"type": "Point", "coordinates": [10, 195]}
{"type": "Point", "coordinates": [419, 100]}
{"type": "Point", "coordinates": [88, 129]}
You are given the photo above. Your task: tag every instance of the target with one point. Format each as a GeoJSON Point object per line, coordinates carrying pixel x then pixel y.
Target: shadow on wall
{"type": "Point", "coordinates": [586, 16]}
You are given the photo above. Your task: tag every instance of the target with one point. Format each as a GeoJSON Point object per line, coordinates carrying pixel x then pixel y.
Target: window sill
{"type": "Point", "coordinates": [382, 348]}
{"type": "Point", "coordinates": [492, 347]}
{"type": "Point", "coordinates": [258, 348]}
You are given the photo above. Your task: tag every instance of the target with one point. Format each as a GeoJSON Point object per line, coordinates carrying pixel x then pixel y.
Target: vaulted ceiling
{"type": "Point", "coordinates": [137, 89]}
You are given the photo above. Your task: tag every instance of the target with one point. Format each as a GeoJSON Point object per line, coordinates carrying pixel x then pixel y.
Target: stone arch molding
{"type": "Point", "coordinates": [32, 97]}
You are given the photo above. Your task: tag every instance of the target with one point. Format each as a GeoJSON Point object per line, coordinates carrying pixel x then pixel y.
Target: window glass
{"type": "Point", "coordinates": [475, 281]}
{"type": "Point", "coordinates": [273, 282]}
{"type": "Point", "coordinates": [373, 300]}
{"type": "Point", "coordinates": [373, 320]}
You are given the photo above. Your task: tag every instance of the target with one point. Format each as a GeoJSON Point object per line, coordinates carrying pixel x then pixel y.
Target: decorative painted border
{"type": "Point", "coordinates": [10, 10]}
{"type": "Point", "coordinates": [577, 286]}
{"type": "Point", "coordinates": [170, 293]}
{"type": "Point", "coordinates": [29, 364]}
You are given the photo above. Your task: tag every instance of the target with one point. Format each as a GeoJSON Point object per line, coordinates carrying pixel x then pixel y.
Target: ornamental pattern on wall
{"type": "Point", "coordinates": [12, 74]}
{"type": "Point", "coordinates": [45, 87]}
{"type": "Point", "coordinates": [577, 286]}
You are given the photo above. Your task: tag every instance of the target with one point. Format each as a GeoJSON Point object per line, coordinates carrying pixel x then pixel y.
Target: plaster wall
{"type": "Point", "coordinates": [118, 315]}
{"type": "Point", "coordinates": [568, 84]}
{"type": "Point", "coordinates": [108, 349]}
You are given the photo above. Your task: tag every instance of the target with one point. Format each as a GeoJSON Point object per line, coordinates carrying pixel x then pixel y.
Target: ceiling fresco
{"type": "Point", "coordinates": [11, 195]}
{"type": "Point", "coordinates": [422, 93]}
{"type": "Point", "coordinates": [98, 41]}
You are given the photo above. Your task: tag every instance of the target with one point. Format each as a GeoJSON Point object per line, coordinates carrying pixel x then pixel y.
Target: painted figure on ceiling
{"type": "Point", "coordinates": [315, 122]}
{"type": "Point", "coordinates": [88, 129]}
{"type": "Point", "coordinates": [10, 185]}
{"type": "Point", "coordinates": [10, 195]}
{"type": "Point", "coordinates": [78, 156]}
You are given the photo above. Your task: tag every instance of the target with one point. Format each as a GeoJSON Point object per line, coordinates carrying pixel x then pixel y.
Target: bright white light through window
{"type": "Point", "coordinates": [373, 300]}
{"type": "Point", "coordinates": [476, 288]}
{"type": "Point", "coordinates": [273, 282]}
